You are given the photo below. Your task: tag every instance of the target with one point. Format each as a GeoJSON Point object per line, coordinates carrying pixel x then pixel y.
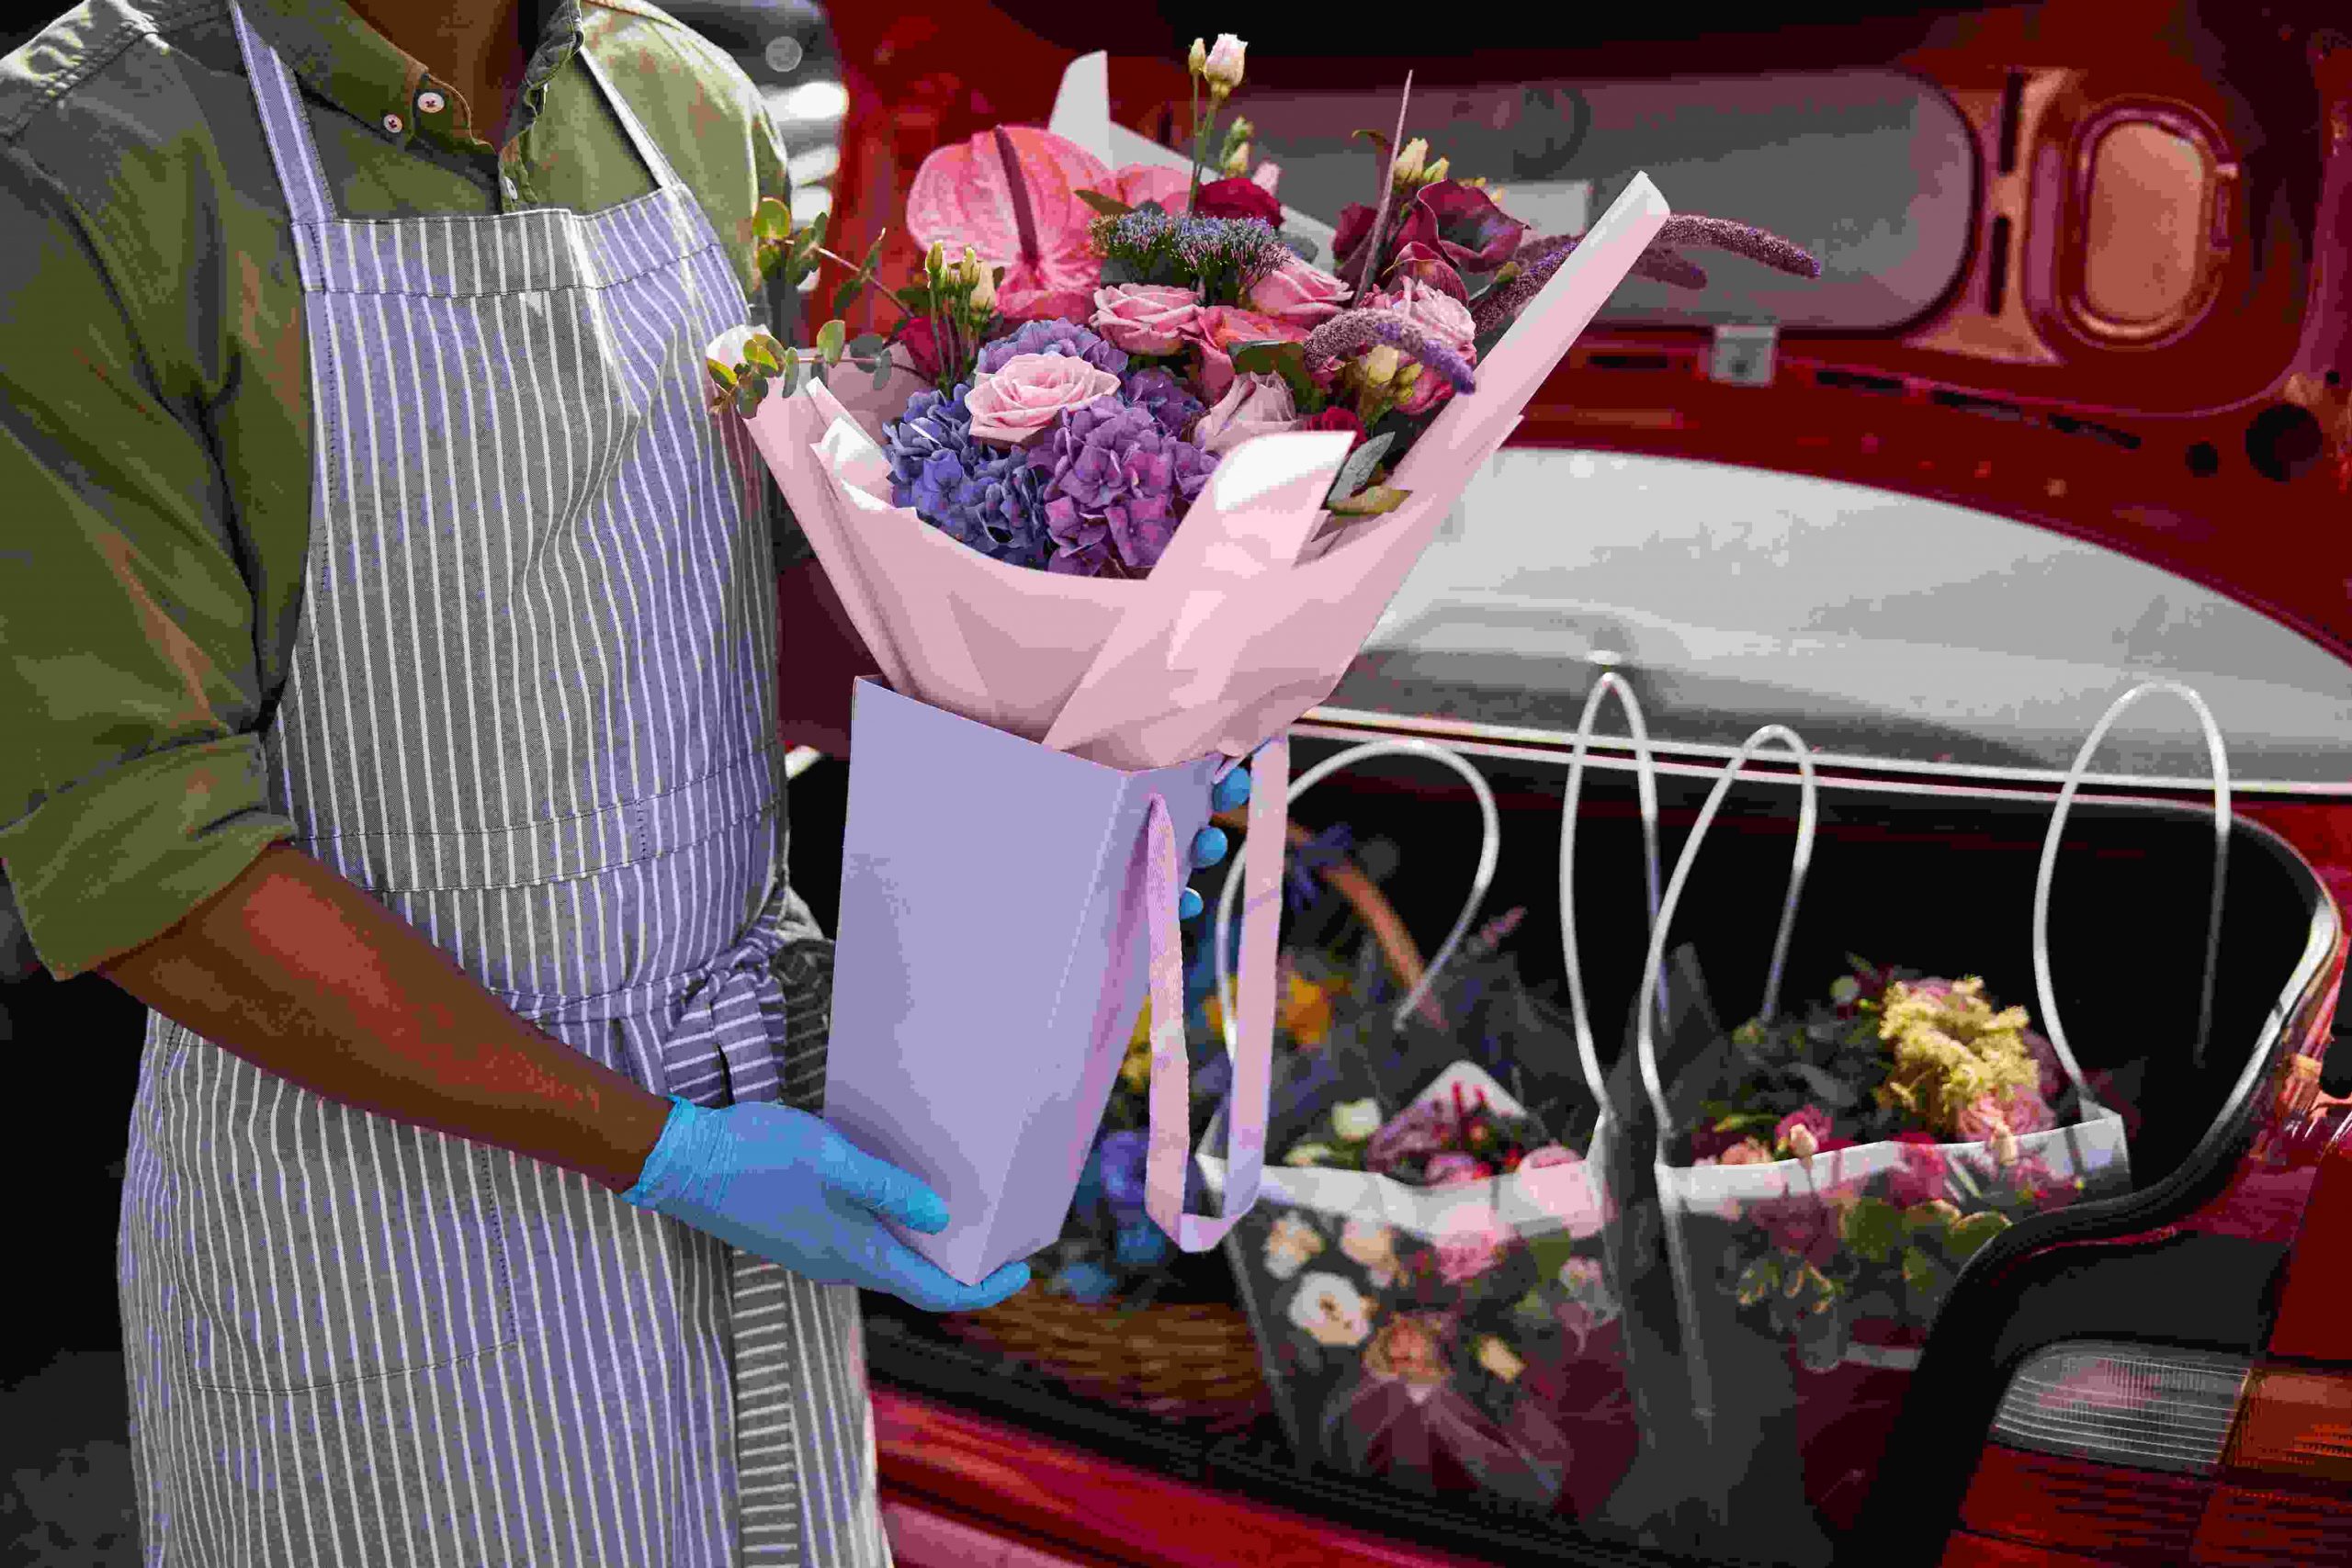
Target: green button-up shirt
{"type": "Point", "coordinates": [154, 422]}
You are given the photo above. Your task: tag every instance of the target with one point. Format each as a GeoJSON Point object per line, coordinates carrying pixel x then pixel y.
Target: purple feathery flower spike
{"type": "Point", "coordinates": [1352, 331]}
{"type": "Point", "coordinates": [1539, 259]}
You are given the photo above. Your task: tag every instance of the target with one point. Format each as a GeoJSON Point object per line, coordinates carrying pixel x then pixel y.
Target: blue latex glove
{"type": "Point", "coordinates": [785, 1185]}
{"type": "Point", "coordinates": [1209, 844]}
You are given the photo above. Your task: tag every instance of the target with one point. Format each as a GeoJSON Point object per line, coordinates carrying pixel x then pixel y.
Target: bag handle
{"type": "Point", "coordinates": [2044, 991]}
{"type": "Point", "coordinates": [1654, 968]}
{"type": "Point", "coordinates": [1647, 780]}
{"type": "Point", "coordinates": [1489, 856]}
{"type": "Point", "coordinates": [1167, 1156]}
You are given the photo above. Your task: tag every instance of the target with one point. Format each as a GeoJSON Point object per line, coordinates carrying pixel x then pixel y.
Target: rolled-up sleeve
{"type": "Point", "coordinates": [131, 787]}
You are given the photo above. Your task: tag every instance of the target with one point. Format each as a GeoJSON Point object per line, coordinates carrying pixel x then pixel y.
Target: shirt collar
{"type": "Point", "coordinates": [339, 57]}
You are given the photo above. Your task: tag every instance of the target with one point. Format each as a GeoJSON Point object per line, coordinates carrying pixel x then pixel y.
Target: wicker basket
{"type": "Point", "coordinates": [1188, 1362]}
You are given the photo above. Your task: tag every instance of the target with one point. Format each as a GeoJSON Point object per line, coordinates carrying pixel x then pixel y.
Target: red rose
{"type": "Point", "coordinates": [1237, 199]}
{"type": "Point", "coordinates": [1334, 419]}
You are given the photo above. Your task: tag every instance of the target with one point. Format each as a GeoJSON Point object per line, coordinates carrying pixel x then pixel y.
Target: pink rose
{"type": "Point", "coordinates": [2027, 1111]}
{"type": "Point", "coordinates": [2016, 1111]}
{"type": "Point", "coordinates": [1471, 1241]}
{"type": "Point", "coordinates": [1300, 293]}
{"type": "Point", "coordinates": [1816, 1122]}
{"type": "Point", "coordinates": [1266, 175]}
{"type": "Point", "coordinates": [1018, 402]}
{"type": "Point", "coordinates": [1253, 405]}
{"type": "Point", "coordinates": [1145, 317]}
{"type": "Point", "coordinates": [1218, 328]}
{"type": "Point", "coordinates": [1748, 1151]}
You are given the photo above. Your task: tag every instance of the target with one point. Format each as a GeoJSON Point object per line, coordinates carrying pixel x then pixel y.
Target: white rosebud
{"type": "Point", "coordinates": [1198, 60]}
{"type": "Point", "coordinates": [1222, 67]}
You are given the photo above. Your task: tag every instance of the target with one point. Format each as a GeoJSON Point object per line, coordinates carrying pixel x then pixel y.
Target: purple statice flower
{"type": "Point", "coordinates": [1053, 337]}
{"type": "Point", "coordinates": [1161, 394]}
{"type": "Point", "coordinates": [1352, 332]}
{"type": "Point", "coordinates": [975, 493]}
{"type": "Point", "coordinates": [1117, 485]}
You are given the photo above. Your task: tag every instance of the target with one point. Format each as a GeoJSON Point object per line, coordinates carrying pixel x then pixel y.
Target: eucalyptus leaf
{"type": "Point", "coordinates": [1372, 503]}
{"type": "Point", "coordinates": [1110, 207]}
{"type": "Point", "coordinates": [757, 353]}
{"type": "Point", "coordinates": [846, 295]}
{"type": "Point", "coordinates": [866, 346]}
{"type": "Point", "coordinates": [720, 374]}
{"type": "Point", "coordinates": [1873, 1228]}
{"type": "Point", "coordinates": [791, 365]}
{"type": "Point", "coordinates": [882, 372]}
{"type": "Point", "coordinates": [1356, 472]}
{"type": "Point", "coordinates": [831, 338]}
{"type": "Point", "coordinates": [749, 392]}
{"type": "Point", "coordinates": [771, 220]}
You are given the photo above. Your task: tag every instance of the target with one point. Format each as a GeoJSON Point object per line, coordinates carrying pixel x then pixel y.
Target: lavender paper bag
{"type": "Point", "coordinates": [1015, 871]}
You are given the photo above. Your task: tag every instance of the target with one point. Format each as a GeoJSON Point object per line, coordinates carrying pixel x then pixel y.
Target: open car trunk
{"type": "Point", "coordinates": [1938, 877]}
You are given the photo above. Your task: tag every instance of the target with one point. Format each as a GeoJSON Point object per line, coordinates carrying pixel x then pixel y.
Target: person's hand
{"type": "Point", "coordinates": [786, 1186]}
{"type": "Point", "coordinates": [1209, 845]}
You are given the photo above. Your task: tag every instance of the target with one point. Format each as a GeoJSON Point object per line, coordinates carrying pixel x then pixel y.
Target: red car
{"type": "Point", "coordinates": [2066, 411]}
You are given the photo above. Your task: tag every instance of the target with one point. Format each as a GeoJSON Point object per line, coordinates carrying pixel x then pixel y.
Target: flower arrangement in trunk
{"type": "Point", "coordinates": [1096, 339]}
{"type": "Point", "coordinates": [1897, 1058]}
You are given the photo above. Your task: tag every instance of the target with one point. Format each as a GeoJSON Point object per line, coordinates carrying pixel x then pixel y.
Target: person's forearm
{"type": "Point", "coordinates": [298, 972]}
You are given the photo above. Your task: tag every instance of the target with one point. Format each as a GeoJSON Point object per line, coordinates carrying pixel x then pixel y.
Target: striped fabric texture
{"type": "Point", "coordinates": [530, 710]}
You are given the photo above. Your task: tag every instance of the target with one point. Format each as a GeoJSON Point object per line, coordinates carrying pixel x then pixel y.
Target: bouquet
{"type": "Point", "coordinates": [1926, 1067]}
{"type": "Point", "coordinates": [1095, 341]}
{"type": "Point", "coordinates": [1426, 1277]}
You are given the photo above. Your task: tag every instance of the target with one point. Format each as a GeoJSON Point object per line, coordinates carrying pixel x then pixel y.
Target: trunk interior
{"type": "Point", "coordinates": [1937, 882]}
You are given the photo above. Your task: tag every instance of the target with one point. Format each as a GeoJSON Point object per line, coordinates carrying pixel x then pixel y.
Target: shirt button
{"type": "Point", "coordinates": [430, 102]}
{"type": "Point", "coordinates": [393, 123]}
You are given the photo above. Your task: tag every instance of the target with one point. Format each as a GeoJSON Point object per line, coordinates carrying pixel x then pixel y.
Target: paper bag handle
{"type": "Point", "coordinates": [1646, 784]}
{"type": "Point", "coordinates": [1654, 968]}
{"type": "Point", "coordinates": [1169, 1153]}
{"type": "Point", "coordinates": [1489, 856]}
{"type": "Point", "coordinates": [2045, 992]}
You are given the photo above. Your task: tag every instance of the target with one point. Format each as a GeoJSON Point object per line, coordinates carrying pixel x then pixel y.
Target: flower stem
{"type": "Point", "coordinates": [1200, 141]}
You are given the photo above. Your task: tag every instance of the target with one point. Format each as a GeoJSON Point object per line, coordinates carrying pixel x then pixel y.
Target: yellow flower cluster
{"type": "Point", "coordinates": [1952, 1049]}
{"type": "Point", "coordinates": [1302, 1007]}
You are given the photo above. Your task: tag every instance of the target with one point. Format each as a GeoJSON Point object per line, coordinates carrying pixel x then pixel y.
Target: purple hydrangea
{"type": "Point", "coordinates": [978, 494]}
{"type": "Point", "coordinates": [1163, 396]}
{"type": "Point", "coordinates": [1117, 485]}
{"type": "Point", "coordinates": [1053, 337]}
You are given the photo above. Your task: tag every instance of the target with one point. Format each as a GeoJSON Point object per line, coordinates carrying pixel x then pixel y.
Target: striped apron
{"type": "Point", "coordinates": [530, 711]}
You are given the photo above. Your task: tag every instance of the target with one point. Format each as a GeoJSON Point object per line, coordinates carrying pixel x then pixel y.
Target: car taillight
{"type": "Point", "coordinates": [2134, 1454]}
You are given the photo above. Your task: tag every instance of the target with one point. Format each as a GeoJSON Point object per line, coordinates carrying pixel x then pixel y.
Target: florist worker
{"type": "Point", "coordinates": [387, 653]}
